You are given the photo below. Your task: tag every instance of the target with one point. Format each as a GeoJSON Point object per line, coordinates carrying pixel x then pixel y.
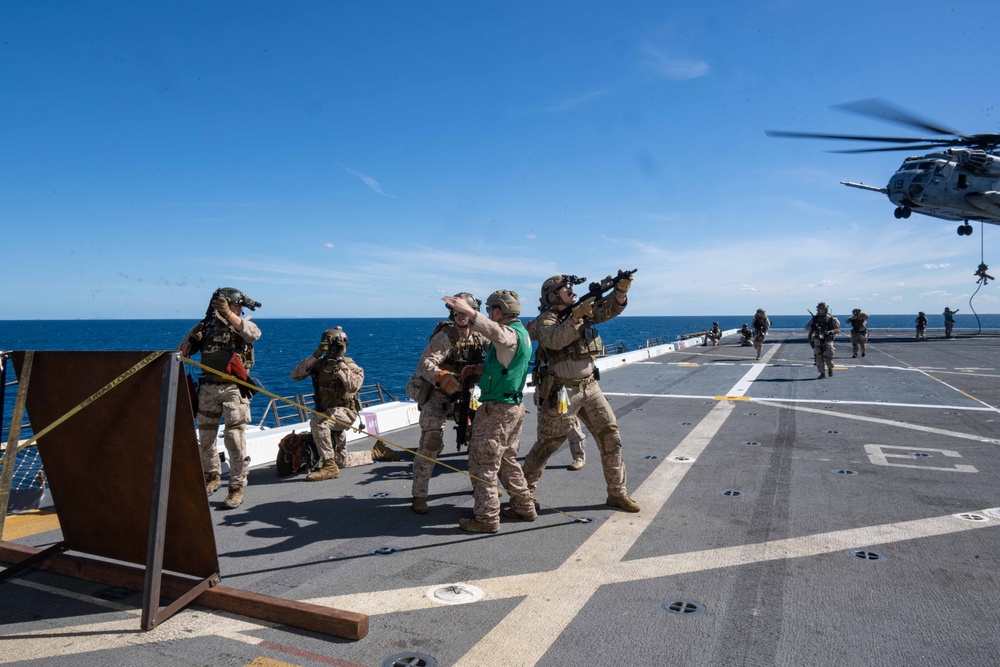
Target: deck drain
{"type": "Point", "coordinates": [865, 555]}
{"type": "Point", "coordinates": [380, 494]}
{"type": "Point", "coordinates": [846, 472]}
{"type": "Point", "coordinates": [750, 443]}
{"type": "Point", "coordinates": [750, 414]}
{"type": "Point", "coordinates": [685, 423]}
{"type": "Point", "coordinates": [833, 432]}
{"type": "Point", "coordinates": [383, 551]}
{"type": "Point", "coordinates": [971, 516]}
{"type": "Point", "coordinates": [651, 457]}
{"type": "Point", "coordinates": [455, 594]}
{"type": "Point", "coordinates": [731, 493]}
{"type": "Point", "coordinates": [409, 659]}
{"type": "Point", "coordinates": [951, 413]}
{"type": "Point", "coordinates": [683, 607]}
{"type": "Point", "coordinates": [920, 455]}
{"type": "Point", "coordinates": [638, 409]}
{"type": "Point", "coordinates": [680, 459]}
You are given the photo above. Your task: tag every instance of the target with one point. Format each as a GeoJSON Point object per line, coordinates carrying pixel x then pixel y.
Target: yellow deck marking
{"type": "Point", "coordinates": [29, 523]}
{"type": "Point", "coordinates": [689, 364]}
{"type": "Point", "coordinates": [732, 398]}
{"type": "Point", "coordinates": [269, 662]}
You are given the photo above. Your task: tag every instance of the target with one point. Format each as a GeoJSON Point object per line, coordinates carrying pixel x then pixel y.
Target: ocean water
{"type": "Point", "coordinates": [387, 349]}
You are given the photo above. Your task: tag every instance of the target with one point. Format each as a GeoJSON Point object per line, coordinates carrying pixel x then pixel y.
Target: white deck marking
{"type": "Point", "coordinates": [878, 456]}
{"type": "Point", "coordinates": [707, 397]}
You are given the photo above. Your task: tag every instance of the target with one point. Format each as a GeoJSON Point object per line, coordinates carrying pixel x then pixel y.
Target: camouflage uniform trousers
{"type": "Point", "coordinates": [588, 403]}
{"type": "Point", "coordinates": [758, 343]}
{"type": "Point", "coordinates": [433, 416]}
{"type": "Point", "coordinates": [859, 341]}
{"type": "Point", "coordinates": [331, 440]}
{"type": "Point", "coordinates": [496, 436]}
{"type": "Point", "coordinates": [220, 400]}
{"type": "Point", "coordinates": [576, 439]}
{"type": "Point", "coordinates": [824, 355]}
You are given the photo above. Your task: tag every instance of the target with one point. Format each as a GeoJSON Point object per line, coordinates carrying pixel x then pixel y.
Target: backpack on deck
{"type": "Point", "coordinates": [297, 453]}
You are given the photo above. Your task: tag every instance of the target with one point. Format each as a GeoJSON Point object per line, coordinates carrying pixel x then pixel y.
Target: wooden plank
{"type": "Point", "coordinates": [302, 615]}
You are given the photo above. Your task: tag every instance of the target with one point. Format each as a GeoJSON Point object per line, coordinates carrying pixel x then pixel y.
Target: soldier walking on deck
{"type": "Point", "coordinates": [949, 321]}
{"type": "Point", "coordinates": [921, 322]}
{"type": "Point", "coordinates": [859, 331]}
{"type": "Point", "coordinates": [760, 326]}
{"type": "Point", "coordinates": [336, 381]}
{"type": "Point", "coordinates": [822, 328]}
{"type": "Point", "coordinates": [496, 432]}
{"type": "Point", "coordinates": [567, 382]}
{"type": "Point", "coordinates": [225, 340]}
{"type": "Point", "coordinates": [437, 387]}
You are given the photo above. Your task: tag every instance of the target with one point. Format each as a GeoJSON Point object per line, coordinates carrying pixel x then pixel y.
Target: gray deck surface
{"type": "Point", "coordinates": [770, 571]}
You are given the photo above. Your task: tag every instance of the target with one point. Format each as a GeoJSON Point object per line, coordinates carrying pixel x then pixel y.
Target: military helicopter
{"type": "Point", "coordinates": [959, 182]}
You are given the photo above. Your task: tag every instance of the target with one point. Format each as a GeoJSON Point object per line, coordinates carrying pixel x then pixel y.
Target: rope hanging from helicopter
{"type": "Point", "coordinates": [981, 274]}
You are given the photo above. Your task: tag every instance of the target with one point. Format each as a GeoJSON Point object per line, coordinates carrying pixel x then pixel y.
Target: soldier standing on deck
{"type": "Point", "coordinates": [496, 432]}
{"type": "Point", "coordinates": [566, 352]}
{"type": "Point", "coordinates": [859, 331]}
{"type": "Point", "coordinates": [921, 323]}
{"type": "Point", "coordinates": [452, 347]}
{"type": "Point", "coordinates": [760, 326]}
{"type": "Point", "coordinates": [822, 328]}
{"type": "Point", "coordinates": [949, 321]}
{"type": "Point", "coordinates": [225, 340]}
{"type": "Point", "coordinates": [336, 381]}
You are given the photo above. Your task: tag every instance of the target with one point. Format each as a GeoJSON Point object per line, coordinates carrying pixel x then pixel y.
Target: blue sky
{"type": "Point", "coordinates": [362, 159]}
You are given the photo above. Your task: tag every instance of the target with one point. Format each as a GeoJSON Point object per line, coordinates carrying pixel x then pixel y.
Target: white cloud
{"type": "Point", "coordinates": [671, 67]}
{"type": "Point", "coordinates": [575, 101]}
{"type": "Point", "coordinates": [372, 184]}
{"type": "Point", "coordinates": [936, 266]}
{"type": "Point", "coordinates": [329, 245]}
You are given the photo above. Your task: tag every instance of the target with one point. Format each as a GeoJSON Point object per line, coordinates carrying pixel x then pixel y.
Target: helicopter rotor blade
{"type": "Point", "coordinates": [850, 137]}
{"type": "Point", "coordinates": [878, 108]}
{"type": "Point", "coordinates": [902, 148]}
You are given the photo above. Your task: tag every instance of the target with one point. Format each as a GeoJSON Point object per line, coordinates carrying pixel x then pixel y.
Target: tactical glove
{"type": "Point", "coordinates": [221, 306]}
{"type": "Point", "coordinates": [624, 285]}
{"type": "Point", "coordinates": [321, 349]}
{"type": "Point", "coordinates": [447, 382]}
{"type": "Point", "coordinates": [584, 309]}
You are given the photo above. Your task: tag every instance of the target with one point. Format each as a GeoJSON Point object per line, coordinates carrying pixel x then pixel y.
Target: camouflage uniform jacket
{"type": "Point", "coordinates": [336, 382]}
{"type": "Point", "coordinates": [441, 354]}
{"type": "Point", "coordinates": [568, 348]}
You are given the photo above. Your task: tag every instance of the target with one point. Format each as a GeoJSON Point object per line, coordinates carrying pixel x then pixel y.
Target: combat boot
{"type": "Point", "coordinates": [328, 471]}
{"type": "Point", "coordinates": [623, 502]}
{"type": "Point", "coordinates": [577, 464]}
{"type": "Point", "coordinates": [212, 482]}
{"type": "Point", "coordinates": [512, 513]}
{"type": "Point", "coordinates": [420, 505]}
{"type": "Point", "coordinates": [235, 497]}
{"type": "Point", "coordinates": [821, 375]}
{"type": "Point", "coordinates": [382, 453]}
{"type": "Point", "coordinates": [830, 371]}
{"type": "Point", "coordinates": [477, 526]}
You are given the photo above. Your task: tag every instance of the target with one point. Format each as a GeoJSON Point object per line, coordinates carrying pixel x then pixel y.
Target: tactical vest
{"type": "Point", "coordinates": [504, 385]}
{"type": "Point", "coordinates": [859, 323]}
{"type": "Point", "coordinates": [823, 325]}
{"type": "Point", "coordinates": [760, 324]}
{"type": "Point", "coordinates": [328, 388]}
{"type": "Point", "coordinates": [218, 343]}
{"type": "Point", "coordinates": [459, 356]}
{"type": "Point", "coordinates": [589, 345]}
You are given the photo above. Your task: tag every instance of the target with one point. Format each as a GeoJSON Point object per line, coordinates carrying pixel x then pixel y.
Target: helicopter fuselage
{"type": "Point", "coordinates": [954, 184]}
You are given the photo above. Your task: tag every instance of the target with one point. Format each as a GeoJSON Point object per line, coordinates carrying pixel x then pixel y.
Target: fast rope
{"type": "Point", "coordinates": [316, 413]}
{"type": "Point", "coordinates": [982, 262]}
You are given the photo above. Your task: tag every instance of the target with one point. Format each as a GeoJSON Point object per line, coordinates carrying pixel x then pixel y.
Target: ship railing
{"type": "Point", "coordinates": [613, 348]}
{"type": "Point", "coordinates": [653, 342]}
{"type": "Point", "coordinates": [284, 413]}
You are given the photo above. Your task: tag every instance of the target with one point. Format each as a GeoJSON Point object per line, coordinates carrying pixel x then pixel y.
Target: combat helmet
{"type": "Point", "coordinates": [230, 294]}
{"type": "Point", "coordinates": [550, 290]}
{"type": "Point", "coordinates": [821, 306]}
{"type": "Point", "coordinates": [334, 335]}
{"type": "Point", "coordinates": [507, 301]}
{"type": "Point", "coordinates": [856, 311]}
{"type": "Point", "coordinates": [470, 299]}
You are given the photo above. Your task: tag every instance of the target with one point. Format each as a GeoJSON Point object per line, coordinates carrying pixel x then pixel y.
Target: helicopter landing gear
{"type": "Point", "coordinates": [902, 212]}
{"type": "Point", "coordinates": [965, 230]}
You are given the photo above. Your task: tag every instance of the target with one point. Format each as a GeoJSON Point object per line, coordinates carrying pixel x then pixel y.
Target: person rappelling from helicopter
{"type": "Point", "coordinates": [983, 277]}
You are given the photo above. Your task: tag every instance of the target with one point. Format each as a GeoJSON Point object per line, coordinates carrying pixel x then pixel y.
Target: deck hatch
{"type": "Point", "coordinates": [683, 607]}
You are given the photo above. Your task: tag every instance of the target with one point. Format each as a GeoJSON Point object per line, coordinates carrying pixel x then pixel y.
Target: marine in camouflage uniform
{"type": "Point", "coordinates": [496, 432]}
{"type": "Point", "coordinates": [714, 335]}
{"type": "Point", "coordinates": [566, 352]}
{"type": "Point", "coordinates": [760, 326]}
{"type": "Point", "coordinates": [822, 328]}
{"type": "Point", "coordinates": [336, 382]}
{"type": "Point", "coordinates": [921, 322]}
{"type": "Point", "coordinates": [746, 336]}
{"type": "Point", "coordinates": [859, 331]}
{"type": "Point", "coordinates": [949, 321]}
{"type": "Point", "coordinates": [221, 335]}
{"type": "Point", "coordinates": [452, 347]}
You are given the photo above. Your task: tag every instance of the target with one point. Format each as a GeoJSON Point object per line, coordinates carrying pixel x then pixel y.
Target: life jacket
{"type": "Point", "coordinates": [505, 385]}
{"type": "Point", "coordinates": [329, 390]}
{"type": "Point", "coordinates": [219, 341]}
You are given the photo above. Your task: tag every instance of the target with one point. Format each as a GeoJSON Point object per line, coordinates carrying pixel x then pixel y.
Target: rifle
{"type": "Point", "coordinates": [465, 415]}
{"type": "Point", "coordinates": [597, 290]}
